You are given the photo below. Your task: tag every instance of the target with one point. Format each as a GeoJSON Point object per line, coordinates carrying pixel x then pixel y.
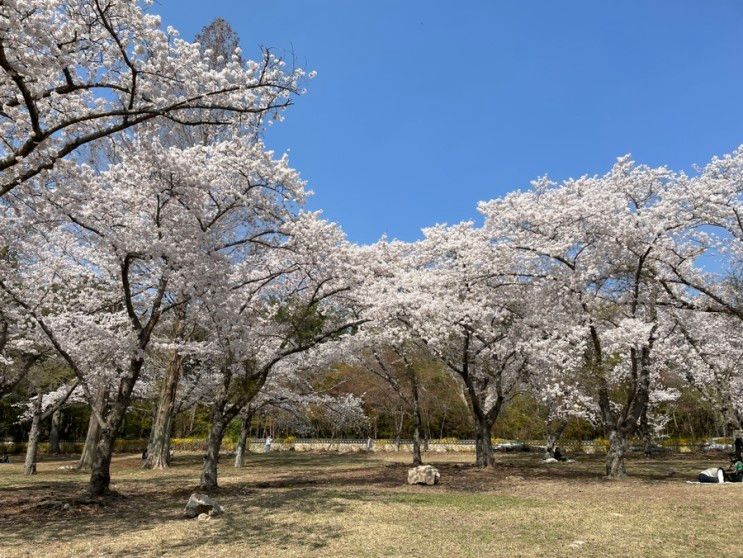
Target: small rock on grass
{"type": "Point", "coordinates": [202, 504]}
{"type": "Point", "coordinates": [423, 474]}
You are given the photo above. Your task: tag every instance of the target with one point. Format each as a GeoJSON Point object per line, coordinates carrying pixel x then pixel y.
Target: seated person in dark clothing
{"type": "Point", "coordinates": [735, 472]}
{"type": "Point", "coordinates": [738, 447]}
{"type": "Point", "coordinates": [4, 458]}
{"type": "Point", "coordinates": [558, 455]}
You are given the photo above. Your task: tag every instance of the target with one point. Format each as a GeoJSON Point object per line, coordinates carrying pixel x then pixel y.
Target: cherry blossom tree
{"type": "Point", "coordinates": [277, 304]}
{"type": "Point", "coordinates": [218, 42]}
{"type": "Point", "coordinates": [447, 293]}
{"type": "Point", "coordinates": [113, 251]}
{"type": "Point", "coordinates": [75, 72]}
{"type": "Point", "coordinates": [384, 346]}
{"type": "Point", "coordinates": [599, 239]}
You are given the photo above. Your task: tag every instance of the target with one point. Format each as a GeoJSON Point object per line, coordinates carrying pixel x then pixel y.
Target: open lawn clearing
{"type": "Point", "coordinates": [287, 504]}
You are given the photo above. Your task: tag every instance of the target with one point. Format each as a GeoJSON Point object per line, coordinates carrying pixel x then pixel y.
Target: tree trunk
{"type": "Point", "coordinates": [243, 441]}
{"type": "Point", "coordinates": [549, 450]}
{"type": "Point", "coordinates": [29, 467]}
{"type": "Point", "coordinates": [159, 444]}
{"type": "Point", "coordinates": [211, 460]}
{"type": "Point", "coordinates": [100, 476]}
{"type": "Point", "coordinates": [91, 440]}
{"type": "Point", "coordinates": [483, 449]}
{"type": "Point", "coordinates": [54, 432]}
{"type": "Point", "coordinates": [417, 423]}
{"type": "Point", "coordinates": [417, 459]}
{"type": "Point", "coordinates": [93, 434]}
{"type": "Point", "coordinates": [615, 455]}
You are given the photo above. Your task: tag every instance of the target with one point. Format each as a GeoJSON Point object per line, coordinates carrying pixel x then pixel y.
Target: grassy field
{"type": "Point", "coordinates": [287, 504]}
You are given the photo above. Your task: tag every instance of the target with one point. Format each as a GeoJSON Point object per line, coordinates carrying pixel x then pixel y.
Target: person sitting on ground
{"type": "Point", "coordinates": [5, 458]}
{"type": "Point", "coordinates": [738, 445]}
{"type": "Point", "coordinates": [558, 455]}
{"type": "Point", "coordinates": [144, 454]}
{"type": "Point", "coordinates": [712, 475]}
{"type": "Point", "coordinates": [735, 472]}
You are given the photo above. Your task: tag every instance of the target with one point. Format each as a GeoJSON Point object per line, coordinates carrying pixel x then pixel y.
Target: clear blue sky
{"type": "Point", "coordinates": [422, 108]}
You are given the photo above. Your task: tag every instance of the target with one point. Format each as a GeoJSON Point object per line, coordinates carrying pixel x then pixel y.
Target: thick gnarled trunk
{"type": "Point", "coordinates": [615, 455]}
{"type": "Point", "coordinates": [100, 476]}
{"type": "Point", "coordinates": [484, 421]}
{"type": "Point", "coordinates": [158, 447]}
{"type": "Point", "coordinates": [483, 448]}
{"type": "Point", "coordinates": [159, 443]}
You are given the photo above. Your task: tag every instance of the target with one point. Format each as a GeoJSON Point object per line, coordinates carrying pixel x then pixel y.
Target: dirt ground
{"type": "Point", "coordinates": [296, 504]}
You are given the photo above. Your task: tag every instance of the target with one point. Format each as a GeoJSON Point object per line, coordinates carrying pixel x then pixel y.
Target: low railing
{"type": "Point", "coordinates": [388, 445]}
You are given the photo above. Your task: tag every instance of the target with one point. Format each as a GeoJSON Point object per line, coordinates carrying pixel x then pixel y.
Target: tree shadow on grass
{"type": "Point", "coordinates": [252, 518]}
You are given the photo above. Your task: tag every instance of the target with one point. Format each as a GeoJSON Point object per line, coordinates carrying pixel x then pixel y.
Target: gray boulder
{"type": "Point", "coordinates": [423, 474]}
{"type": "Point", "coordinates": [202, 504]}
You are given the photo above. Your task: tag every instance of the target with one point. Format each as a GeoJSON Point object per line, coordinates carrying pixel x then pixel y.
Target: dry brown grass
{"type": "Point", "coordinates": [358, 505]}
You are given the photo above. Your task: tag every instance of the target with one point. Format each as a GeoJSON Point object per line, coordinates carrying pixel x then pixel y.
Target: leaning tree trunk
{"type": "Point", "coordinates": [94, 431]}
{"type": "Point", "coordinates": [29, 467]}
{"type": "Point", "coordinates": [243, 441]}
{"type": "Point", "coordinates": [158, 447]}
{"type": "Point", "coordinates": [91, 441]}
{"type": "Point", "coordinates": [54, 432]}
{"type": "Point", "coordinates": [615, 455]}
